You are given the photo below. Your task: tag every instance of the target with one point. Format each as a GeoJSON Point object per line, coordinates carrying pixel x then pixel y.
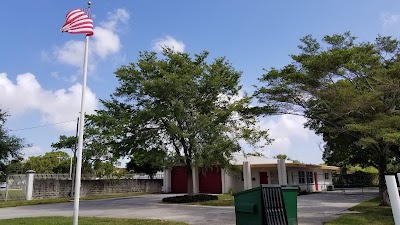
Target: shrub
{"type": "Point", "coordinates": [187, 198]}
{"type": "Point", "coordinates": [302, 192]}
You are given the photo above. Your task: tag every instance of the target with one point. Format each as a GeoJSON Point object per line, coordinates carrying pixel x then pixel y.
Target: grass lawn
{"type": "Point", "coordinates": [114, 196]}
{"type": "Point", "coordinates": [12, 194]}
{"type": "Point", "coordinates": [4, 204]}
{"type": "Point", "coordinates": [369, 213]}
{"type": "Point", "coordinates": [223, 200]}
{"type": "Point", "coordinates": [32, 202]}
{"type": "Point", "coordinates": [85, 221]}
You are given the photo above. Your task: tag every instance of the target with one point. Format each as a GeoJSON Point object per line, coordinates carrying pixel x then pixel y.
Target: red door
{"type": "Point", "coordinates": [316, 181]}
{"type": "Point", "coordinates": [178, 180]}
{"type": "Point", "coordinates": [263, 178]}
{"type": "Point", "coordinates": [210, 181]}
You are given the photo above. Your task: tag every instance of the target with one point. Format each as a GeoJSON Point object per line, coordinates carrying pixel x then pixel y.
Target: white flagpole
{"type": "Point", "coordinates": [80, 139]}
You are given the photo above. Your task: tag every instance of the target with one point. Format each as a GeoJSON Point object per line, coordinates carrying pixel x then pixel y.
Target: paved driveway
{"type": "Point", "coordinates": [146, 206]}
{"type": "Point", "coordinates": [314, 209]}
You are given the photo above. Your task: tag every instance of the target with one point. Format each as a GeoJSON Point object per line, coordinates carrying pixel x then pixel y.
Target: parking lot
{"type": "Point", "coordinates": [313, 209]}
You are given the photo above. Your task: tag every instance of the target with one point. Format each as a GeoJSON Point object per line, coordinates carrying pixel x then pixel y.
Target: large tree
{"type": "Point", "coordinates": [187, 107]}
{"type": "Point", "coordinates": [349, 92]}
{"type": "Point", "coordinates": [148, 162]}
{"type": "Point", "coordinates": [50, 163]}
{"type": "Point", "coordinates": [96, 157]}
{"type": "Point", "coordinates": [10, 145]}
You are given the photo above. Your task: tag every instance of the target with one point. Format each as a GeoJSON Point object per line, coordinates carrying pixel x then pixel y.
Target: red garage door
{"type": "Point", "coordinates": [178, 180]}
{"type": "Point", "coordinates": [210, 181]}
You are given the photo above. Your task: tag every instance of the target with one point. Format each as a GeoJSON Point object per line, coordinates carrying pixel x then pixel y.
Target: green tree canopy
{"type": "Point", "coordinates": [50, 163]}
{"type": "Point", "coordinates": [283, 156]}
{"type": "Point", "coordinates": [65, 142]}
{"type": "Point", "coordinates": [187, 107]}
{"type": "Point", "coordinates": [349, 92]}
{"type": "Point", "coordinates": [96, 157]}
{"type": "Point", "coordinates": [148, 162]}
{"type": "Point", "coordinates": [10, 145]}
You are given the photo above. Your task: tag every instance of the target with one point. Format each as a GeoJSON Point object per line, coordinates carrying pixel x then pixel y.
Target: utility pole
{"type": "Point", "coordinates": [74, 152]}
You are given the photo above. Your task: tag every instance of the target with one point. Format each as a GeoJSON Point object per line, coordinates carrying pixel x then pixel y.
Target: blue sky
{"type": "Point", "coordinates": [40, 67]}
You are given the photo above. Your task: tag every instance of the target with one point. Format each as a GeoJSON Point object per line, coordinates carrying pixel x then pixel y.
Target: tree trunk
{"type": "Point", "coordinates": [383, 193]}
{"type": "Point", "coordinates": [189, 180]}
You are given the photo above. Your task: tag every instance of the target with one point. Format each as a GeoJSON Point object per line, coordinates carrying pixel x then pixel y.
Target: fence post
{"type": "Point", "coordinates": [393, 191]}
{"type": "Point", "coordinates": [29, 184]}
{"type": "Point", "coordinates": [7, 188]}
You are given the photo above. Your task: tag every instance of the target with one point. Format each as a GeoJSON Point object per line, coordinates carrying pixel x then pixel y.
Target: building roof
{"type": "Point", "coordinates": [238, 159]}
{"type": "Point", "coordinates": [262, 161]}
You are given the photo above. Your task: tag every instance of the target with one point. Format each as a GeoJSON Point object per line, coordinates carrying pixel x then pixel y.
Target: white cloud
{"type": "Point", "coordinates": [32, 151]}
{"type": "Point", "coordinates": [168, 42]}
{"type": "Point", "coordinates": [105, 42]}
{"type": "Point", "coordinates": [285, 129]}
{"type": "Point", "coordinates": [390, 23]}
{"type": "Point", "coordinates": [70, 78]}
{"type": "Point", "coordinates": [71, 53]}
{"type": "Point", "coordinates": [288, 125]}
{"type": "Point", "coordinates": [102, 44]}
{"type": "Point", "coordinates": [55, 106]}
{"type": "Point", "coordinates": [119, 15]}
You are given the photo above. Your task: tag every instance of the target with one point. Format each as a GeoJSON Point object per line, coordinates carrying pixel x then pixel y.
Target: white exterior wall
{"type": "Point", "coordinates": [235, 183]}
{"type": "Point", "coordinates": [255, 175]}
{"type": "Point", "coordinates": [293, 179]}
{"type": "Point", "coordinates": [231, 182]}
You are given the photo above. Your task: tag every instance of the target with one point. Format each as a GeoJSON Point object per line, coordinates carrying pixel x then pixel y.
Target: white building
{"type": "Point", "coordinates": [251, 172]}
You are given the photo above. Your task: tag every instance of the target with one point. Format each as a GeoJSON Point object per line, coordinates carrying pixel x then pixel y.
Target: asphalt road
{"type": "Point", "coordinates": [313, 209]}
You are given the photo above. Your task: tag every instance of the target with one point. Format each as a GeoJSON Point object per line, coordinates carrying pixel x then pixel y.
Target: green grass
{"type": "Point", "coordinates": [223, 200]}
{"type": "Point", "coordinates": [32, 202]}
{"type": "Point", "coordinates": [4, 204]}
{"type": "Point", "coordinates": [368, 213]}
{"type": "Point", "coordinates": [114, 196]}
{"type": "Point", "coordinates": [12, 194]}
{"type": "Point", "coordinates": [86, 221]}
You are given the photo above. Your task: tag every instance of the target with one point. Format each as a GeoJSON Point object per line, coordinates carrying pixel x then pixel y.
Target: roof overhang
{"type": "Point", "coordinates": [295, 165]}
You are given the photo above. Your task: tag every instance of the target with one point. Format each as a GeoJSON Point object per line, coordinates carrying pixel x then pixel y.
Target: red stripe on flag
{"type": "Point", "coordinates": [78, 21]}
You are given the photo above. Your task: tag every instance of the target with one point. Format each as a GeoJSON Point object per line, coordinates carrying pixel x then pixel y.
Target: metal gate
{"type": "Point", "coordinates": [274, 206]}
{"type": "Point", "coordinates": [14, 188]}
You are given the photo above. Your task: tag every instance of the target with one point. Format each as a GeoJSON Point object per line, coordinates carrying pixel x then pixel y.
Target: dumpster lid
{"type": "Point", "coordinates": [246, 191]}
{"type": "Point", "coordinates": [283, 187]}
{"type": "Point", "coordinates": [290, 188]}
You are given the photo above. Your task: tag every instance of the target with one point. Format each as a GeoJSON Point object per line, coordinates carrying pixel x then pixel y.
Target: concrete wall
{"type": "Point", "coordinates": [52, 188]}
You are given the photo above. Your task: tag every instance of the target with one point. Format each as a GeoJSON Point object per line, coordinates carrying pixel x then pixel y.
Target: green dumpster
{"type": "Point", "coordinates": [249, 207]}
{"type": "Point", "coordinates": [290, 198]}
{"type": "Point", "coordinates": [267, 205]}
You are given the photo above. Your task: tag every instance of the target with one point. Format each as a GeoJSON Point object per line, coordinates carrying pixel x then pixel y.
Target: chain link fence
{"type": "Point", "coordinates": [309, 181]}
{"type": "Point", "coordinates": [356, 183]}
{"type": "Point", "coordinates": [14, 188]}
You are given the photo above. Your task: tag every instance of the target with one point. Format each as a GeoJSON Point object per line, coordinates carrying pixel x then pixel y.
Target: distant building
{"type": "Point", "coordinates": [251, 172]}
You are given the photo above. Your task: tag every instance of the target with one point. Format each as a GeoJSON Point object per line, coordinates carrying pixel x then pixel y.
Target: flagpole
{"type": "Point", "coordinates": [80, 139]}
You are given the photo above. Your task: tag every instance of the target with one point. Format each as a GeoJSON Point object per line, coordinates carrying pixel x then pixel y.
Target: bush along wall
{"type": "Point", "coordinates": [188, 199]}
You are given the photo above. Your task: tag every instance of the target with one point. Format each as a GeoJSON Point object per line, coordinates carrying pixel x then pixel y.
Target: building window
{"type": "Point", "coordinates": [310, 178]}
{"type": "Point", "coordinates": [302, 178]}
{"type": "Point", "coordinates": [326, 176]}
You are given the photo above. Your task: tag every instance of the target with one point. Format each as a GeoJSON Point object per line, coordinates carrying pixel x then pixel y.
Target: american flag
{"type": "Point", "coordinates": [78, 21]}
